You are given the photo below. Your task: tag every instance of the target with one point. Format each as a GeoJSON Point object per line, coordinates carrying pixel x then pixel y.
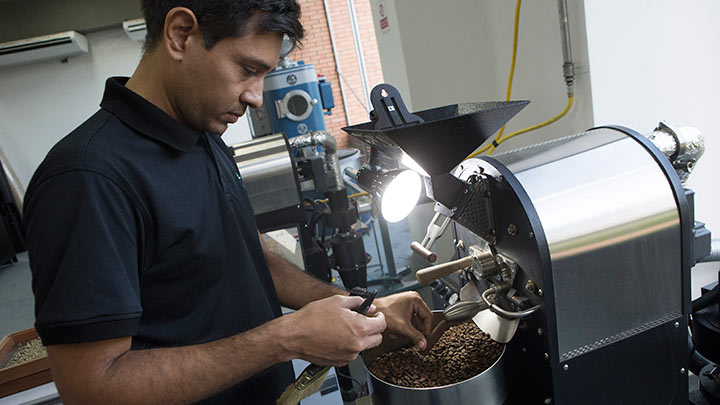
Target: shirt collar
{"type": "Point", "coordinates": [145, 117]}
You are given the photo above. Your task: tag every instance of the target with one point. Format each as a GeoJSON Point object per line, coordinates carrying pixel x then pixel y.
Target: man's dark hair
{"type": "Point", "coordinates": [220, 19]}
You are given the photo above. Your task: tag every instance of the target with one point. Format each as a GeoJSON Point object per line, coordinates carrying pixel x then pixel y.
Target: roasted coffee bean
{"type": "Point", "coordinates": [463, 352]}
{"type": "Point", "coordinates": [26, 352]}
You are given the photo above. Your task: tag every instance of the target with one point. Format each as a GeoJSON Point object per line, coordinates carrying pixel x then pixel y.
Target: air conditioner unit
{"type": "Point", "coordinates": [135, 29]}
{"type": "Point", "coordinates": [55, 46]}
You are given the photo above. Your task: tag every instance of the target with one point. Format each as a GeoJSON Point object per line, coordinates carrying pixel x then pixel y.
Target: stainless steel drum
{"type": "Point", "coordinates": [266, 167]}
{"type": "Point", "coordinates": [488, 387]}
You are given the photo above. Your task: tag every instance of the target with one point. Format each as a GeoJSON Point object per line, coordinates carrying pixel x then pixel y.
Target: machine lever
{"type": "Point", "coordinates": [426, 254]}
{"type": "Point", "coordinates": [432, 273]}
{"type": "Point", "coordinates": [435, 231]}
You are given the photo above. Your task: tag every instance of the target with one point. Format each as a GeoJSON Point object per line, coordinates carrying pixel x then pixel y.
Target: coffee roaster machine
{"type": "Point", "coordinates": [581, 246]}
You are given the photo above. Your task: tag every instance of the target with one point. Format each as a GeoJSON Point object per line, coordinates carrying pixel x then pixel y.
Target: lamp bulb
{"type": "Point", "coordinates": [400, 196]}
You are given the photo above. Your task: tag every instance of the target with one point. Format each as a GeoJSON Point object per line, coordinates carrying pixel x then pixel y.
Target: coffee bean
{"type": "Point", "coordinates": [25, 352]}
{"type": "Point", "coordinates": [463, 351]}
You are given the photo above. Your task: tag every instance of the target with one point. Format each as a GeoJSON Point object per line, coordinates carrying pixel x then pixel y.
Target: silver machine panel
{"type": "Point", "coordinates": [595, 228]}
{"type": "Point", "coordinates": [268, 173]}
{"type": "Point", "coordinates": [612, 229]}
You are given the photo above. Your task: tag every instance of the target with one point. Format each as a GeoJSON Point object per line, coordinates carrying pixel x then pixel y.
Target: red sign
{"type": "Point", "coordinates": [383, 18]}
{"type": "Point", "coordinates": [384, 24]}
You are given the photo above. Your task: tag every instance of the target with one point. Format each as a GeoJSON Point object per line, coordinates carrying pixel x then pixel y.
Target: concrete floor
{"type": "Point", "coordinates": [16, 299]}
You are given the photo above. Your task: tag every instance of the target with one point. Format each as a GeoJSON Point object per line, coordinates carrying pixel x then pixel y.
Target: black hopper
{"type": "Point", "coordinates": [437, 139]}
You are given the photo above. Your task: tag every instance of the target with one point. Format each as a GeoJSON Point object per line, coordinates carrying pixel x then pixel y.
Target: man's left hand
{"type": "Point", "coordinates": [402, 311]}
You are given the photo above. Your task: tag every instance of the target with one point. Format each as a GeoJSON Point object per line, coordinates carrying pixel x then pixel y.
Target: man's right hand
{"type": "Point", "coordinates": [325, 332]}
{"type": "Point", "coordinates": [328, 332]}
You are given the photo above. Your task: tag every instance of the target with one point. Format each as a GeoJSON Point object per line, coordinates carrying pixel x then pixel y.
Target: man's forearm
{"type": "Point", "coordinates": [179, 374]}
{"type": "Point", "coordinates": [296, 288]}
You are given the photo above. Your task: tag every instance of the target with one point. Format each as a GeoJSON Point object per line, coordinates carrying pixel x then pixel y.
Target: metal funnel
{"type": "Point", "coordinates": [437, 139]}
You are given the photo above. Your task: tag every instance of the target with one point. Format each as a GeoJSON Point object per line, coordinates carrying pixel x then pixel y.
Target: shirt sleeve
{"type": "Point", "coordinates": [84, 238]}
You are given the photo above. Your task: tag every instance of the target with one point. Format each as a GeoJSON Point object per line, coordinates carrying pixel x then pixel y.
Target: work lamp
{"type": "Point", "coordinates": [397, 191]}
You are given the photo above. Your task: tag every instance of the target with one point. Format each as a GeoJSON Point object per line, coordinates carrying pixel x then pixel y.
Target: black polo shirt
{"type": "Point", "coordinates": [139, 226]}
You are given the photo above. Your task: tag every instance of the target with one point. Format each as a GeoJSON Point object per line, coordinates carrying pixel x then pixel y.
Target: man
{"type": "Point", "coordinates": [150, 281]}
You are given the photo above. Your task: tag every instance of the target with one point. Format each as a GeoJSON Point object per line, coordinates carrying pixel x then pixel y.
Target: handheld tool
{"type": "Point", "coordinates": [458, 312]}
{"type": "Point", "coordinates": [311, 379]}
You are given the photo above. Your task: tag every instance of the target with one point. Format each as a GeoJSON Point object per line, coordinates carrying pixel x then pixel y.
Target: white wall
{"type": "Point", "coordinates": [653, 60]}
{"type": "Point", "coordinates": [460, 51]}
{"type": "Point", "coordinates": [42, 102]}
{"type": "Point", "coordinates": [390, 48]}
{"type": "Point", "coordinates": [637, 63]}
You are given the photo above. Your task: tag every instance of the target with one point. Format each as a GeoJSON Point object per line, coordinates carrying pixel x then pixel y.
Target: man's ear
{"type": "Point", "coordinates": [180, 28]}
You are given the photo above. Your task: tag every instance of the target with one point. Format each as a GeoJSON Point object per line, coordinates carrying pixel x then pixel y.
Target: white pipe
{"type": "Point", "coordinates": [337, 62]}
{"type": "Point", "coordinates": [329, 145]}
{"type": "Point", "coordinates": [568, 65]}
{"type": "Point", "coordinates": [359, 52]}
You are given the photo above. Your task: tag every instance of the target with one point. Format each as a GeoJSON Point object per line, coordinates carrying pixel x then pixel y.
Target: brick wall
{"type": "Point", "coordinates": [317, 49]}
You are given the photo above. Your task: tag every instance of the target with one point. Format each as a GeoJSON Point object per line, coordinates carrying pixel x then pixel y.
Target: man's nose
{"type": "Point", "coordinates": [253, 95]}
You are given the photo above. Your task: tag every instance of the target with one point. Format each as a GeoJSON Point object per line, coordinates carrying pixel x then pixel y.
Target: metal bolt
{"type": "Point", "coordinates": [500, 178]}
{"type": "Point", "coordinates": [530, 286]}
{"type": "Point", "coordinates": [531, 234]}
{"type": "Point", "coordinates": [512, 229]}
{"type": "Point", "coordinates": [548, 401]}
{"type": "Point", "coordinates": [540, 292]}
{"type": "Point", "coordinates": [547, 356]}
{"type": "Point", "coordinates": [460, 244]}
{"type": "Point", "coordinates": [540, 331]}
{"type": "Point", "coordinates": [682, 371]}
{"type": "Point", "coordinates": [524, 350]}
{"type": "Point", "coordinates": [677, 324]}
{"type": "Point", "coordinates": [565, 367]}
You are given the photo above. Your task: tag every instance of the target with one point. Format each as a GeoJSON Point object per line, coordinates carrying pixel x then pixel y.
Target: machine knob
{"type": "Point", "coordinates": [422, 251]}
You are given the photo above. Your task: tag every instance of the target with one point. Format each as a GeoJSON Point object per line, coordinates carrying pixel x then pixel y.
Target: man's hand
{"type": "Point", "coordinates": [328, 332]}
{"type": "Point", "coordinates": [403, 311]}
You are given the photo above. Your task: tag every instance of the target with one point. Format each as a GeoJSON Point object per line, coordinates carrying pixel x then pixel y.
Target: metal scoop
{"type": "Point", "coordinates": [461, 311]}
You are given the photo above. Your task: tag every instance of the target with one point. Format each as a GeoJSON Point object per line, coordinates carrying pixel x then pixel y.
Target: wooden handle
{"type": "Point", "coordinates": [422, 251]}
{"type": "Point", "coordinates": [433, 273]}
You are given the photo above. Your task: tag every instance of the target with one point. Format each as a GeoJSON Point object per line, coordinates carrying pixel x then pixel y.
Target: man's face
{"type": "Point", "coordinates": [214, 87]}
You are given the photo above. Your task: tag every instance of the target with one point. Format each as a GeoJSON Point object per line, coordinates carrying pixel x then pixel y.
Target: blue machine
{"type": "Point", "coordinates": [294, 101]}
